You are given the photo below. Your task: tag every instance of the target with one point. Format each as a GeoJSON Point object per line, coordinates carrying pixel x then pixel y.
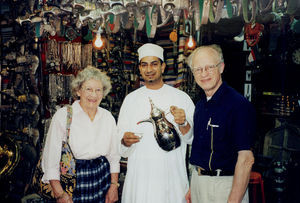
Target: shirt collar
{"type": "Point", "coordinates": [219, 93]}
{"type": "Point", "coordinates": [78, 109]}
{"type": "Point", "coordinates": [152, 90]}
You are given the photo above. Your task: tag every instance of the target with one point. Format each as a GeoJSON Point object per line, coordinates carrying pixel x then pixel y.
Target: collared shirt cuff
{"type": "Point", "coordinates": [115, 168]}
{"type": "Point", "coordinates": [50, 175]}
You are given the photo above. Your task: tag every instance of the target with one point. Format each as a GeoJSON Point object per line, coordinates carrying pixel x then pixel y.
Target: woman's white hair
{"type": "Point", "coordinates": [88, 73]}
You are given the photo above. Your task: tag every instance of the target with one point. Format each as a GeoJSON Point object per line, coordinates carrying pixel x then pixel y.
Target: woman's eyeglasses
{"type": "Point", "coordinates": [89, 90]}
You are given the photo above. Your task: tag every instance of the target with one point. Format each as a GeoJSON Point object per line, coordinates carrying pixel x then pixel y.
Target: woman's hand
{"type": "Point", "coordinates": [60, 195]}
{"type": "Point", "coordinates": [112, 194]}
{"type": "Point", "coordinates": [64, 198]}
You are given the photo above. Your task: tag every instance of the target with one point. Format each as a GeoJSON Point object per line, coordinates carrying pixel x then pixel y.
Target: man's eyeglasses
{"type": "Point", "coordinates": [207, 68]}
{"type": "Point", "coordinates": [89, 90]}
{"type": "Point", "coordinates": [154, 64]}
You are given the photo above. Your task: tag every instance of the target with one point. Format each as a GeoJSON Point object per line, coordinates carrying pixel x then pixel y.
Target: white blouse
{"type": "Point", "coordinates": [88, 139]}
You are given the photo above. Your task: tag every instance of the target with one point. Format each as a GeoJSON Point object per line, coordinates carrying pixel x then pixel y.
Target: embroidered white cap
{"type": "Point", "coordinates": [150, 49]}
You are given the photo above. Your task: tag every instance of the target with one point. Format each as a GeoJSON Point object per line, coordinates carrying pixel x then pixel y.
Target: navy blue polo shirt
{"type": "Point", "coordinates": [223, 126]}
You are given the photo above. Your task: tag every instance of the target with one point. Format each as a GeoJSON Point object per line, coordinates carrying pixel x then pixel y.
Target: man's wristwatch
{"type": "Point", "coordinates": [183, 124]}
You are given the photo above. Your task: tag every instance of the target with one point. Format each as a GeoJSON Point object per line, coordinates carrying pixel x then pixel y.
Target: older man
{"type": "Point", "coordinates": [224, 128]}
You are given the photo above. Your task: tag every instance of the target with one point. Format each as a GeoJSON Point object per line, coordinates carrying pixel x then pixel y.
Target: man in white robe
{"type": "Point", "coordinates": [154, 175]}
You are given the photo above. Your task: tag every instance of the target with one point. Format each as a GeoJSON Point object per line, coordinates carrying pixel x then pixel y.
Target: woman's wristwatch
{"type": "Point", "coordinates": [60, 196]}
{"type": "Point", "coordinates": [116, 183]}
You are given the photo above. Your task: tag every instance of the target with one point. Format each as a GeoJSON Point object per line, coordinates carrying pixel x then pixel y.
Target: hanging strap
{"type": "Point", "coordinates": [151, 21]}
{"type": "Point", "coordinates": [245, 5]}
{"type": "Point", "coordinates": [214, 18]}
{"type": "Point", "coordinates": [165, 17]}
{"type": "Point", "coordinates": [69, 120]}
{"type": "Point", "coordinates": [205, 13]}
{"type": "Point", "coordinates": [37, 29]}
{"type": "Point", "coordinates": [267, 7]}
{"type": "Point", "coordinates": [140, 18]}
{"type": "Point", "coordinates": [229, 9]}
{"type": "Point", "coordinates": [114, 23]}
{"type": "Point", "coordinates": [201, 9]}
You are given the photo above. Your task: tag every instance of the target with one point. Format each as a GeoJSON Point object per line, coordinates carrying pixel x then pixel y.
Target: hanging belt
{"type": "Point", "coordinates": [140, 18]}
{"type": "Point", "coordinates": [151, 21]}
{"type": "Point", "coordinates": [205, 14]}
{"type": "Point", "coordinates": [245, 10]}
{"type": "Point", "coordinates": [214, 18]}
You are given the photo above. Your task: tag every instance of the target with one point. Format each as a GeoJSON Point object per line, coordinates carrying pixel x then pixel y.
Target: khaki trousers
{"type": "Point", "coordinates": [212, 189]}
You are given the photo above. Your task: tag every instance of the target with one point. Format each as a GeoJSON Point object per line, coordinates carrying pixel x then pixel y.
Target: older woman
{"type": "Point", "coordinates": [93, 140]}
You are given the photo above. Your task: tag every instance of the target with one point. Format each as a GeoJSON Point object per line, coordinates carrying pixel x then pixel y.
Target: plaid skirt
{"type": "Point", "coordinates": [93, 180]}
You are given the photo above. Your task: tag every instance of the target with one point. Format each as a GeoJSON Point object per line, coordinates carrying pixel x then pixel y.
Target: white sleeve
{"type": "Point", "coordinates": [123, 126]}
{"type": "Point", "coordinates": [52, 148]}
{"type": "Point", "coordinates": [189, 112]}
{"type": "Point", "coordinates": [113, 156]}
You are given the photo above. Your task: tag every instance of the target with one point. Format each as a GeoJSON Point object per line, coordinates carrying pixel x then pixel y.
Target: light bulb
{"type": "Point", "coordinates": [191, 42]}
{"type": "Point", "coordinates": [98, 42]}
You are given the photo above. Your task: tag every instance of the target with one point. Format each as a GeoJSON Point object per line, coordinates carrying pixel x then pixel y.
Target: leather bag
{"type": "Point", "coordinates": [67, 168]}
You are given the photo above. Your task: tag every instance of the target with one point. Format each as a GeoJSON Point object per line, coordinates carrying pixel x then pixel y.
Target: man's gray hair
{"type": "Point", "coordinates": [88, 73]}
{"type": "Point", "coordinates": [215, 47]}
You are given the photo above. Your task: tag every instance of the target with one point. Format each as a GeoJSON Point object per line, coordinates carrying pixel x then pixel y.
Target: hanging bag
{"type": "Point", "coordinates": [67, 167]}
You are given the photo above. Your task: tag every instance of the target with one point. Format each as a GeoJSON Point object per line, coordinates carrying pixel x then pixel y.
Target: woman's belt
{"type": "Point", "coordinates": [90, 162]}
